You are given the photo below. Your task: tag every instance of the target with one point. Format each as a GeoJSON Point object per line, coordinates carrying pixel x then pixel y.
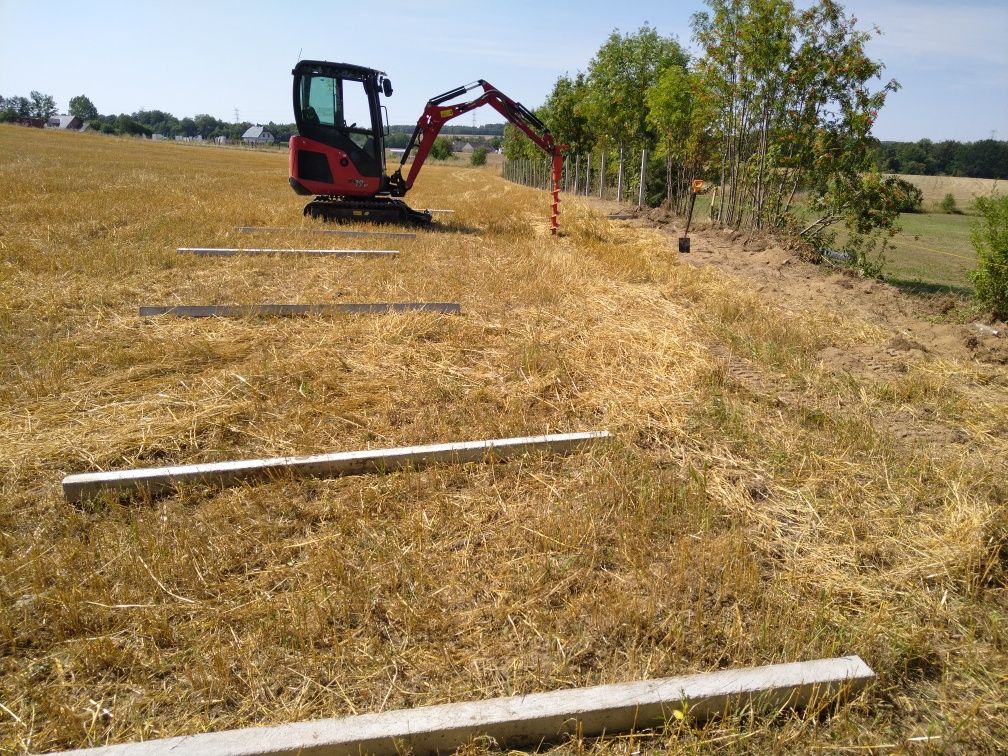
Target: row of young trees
{"type": "Point", "coordinates": [776, 111]}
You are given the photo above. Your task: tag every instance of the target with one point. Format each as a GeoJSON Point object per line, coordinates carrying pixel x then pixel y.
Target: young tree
{"type": "Point", "coordinates": [679, 111]}
{"type": "Point", "coordinates": [83, 108]}
{"type": "Point", "coordinates": [990, 239]}
{"type": "Point", "coordinates": [948, 204]}
{"type": "Point", "coordinates": [479, 156]}
{"type": "Point", "coordinates": [618, 79]}
{"type": "Point", "coordinates": [795, 108]}
{"type": "Point", "coordinates": [564, 114]}
{"type": "Point", "coordinates": [517, 146]}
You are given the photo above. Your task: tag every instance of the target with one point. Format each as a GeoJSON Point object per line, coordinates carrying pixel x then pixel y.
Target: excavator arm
{"type": "Point", "coordinates": [437, 113]}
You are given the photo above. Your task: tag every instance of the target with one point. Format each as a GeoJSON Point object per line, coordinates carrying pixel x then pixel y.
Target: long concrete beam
{"type": "Point", "coordinates": [532, 719]}
{"type": "Point", "coordinates": [329, 231]}
{"type": "Point", "coordinates": [289, 310]}
{"type": "Point", "coordinates": [160, 479]}
{"type": "Point", "coordinates": [229, 251]}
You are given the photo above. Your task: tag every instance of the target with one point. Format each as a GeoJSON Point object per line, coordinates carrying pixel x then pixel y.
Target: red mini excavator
{"type": "Point", "coordinates": [343, 164]}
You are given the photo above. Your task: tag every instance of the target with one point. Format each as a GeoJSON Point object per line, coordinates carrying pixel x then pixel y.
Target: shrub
{"type": "Point", "coordinates": [908, 198]}
{"type": "Point", "coordinates": [948, 204]}
{"type": "Point", "coordinates": [442, 149]}
{"type": "Point", "coordinates": [479, 156]}
{"type": "Point", "coordinates": [990, 239]}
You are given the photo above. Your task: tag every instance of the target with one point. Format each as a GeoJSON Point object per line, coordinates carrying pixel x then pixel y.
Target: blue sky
{"type": "Point", "coordinates": [188, 58]}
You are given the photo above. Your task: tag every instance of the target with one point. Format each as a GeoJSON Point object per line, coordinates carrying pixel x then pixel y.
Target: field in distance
{"type": "Point", "coordinates": [758, 505]}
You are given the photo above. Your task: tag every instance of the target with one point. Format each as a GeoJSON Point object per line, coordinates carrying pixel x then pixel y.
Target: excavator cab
{"type": "Point", "coordinates": [340, 147]}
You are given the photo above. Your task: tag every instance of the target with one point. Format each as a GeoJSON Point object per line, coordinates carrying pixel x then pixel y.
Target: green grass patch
{"type": "Point", "coordinates": [933, 249]}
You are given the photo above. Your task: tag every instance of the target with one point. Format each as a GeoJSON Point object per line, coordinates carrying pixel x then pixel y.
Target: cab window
{"type": "Point", "coordinates": [321, 102]}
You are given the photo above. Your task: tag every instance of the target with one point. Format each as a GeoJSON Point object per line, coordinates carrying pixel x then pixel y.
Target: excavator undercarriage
{"type": "Point", "coordinates": [377, 210]}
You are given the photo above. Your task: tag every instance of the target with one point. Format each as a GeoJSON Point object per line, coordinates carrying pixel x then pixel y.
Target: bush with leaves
{"type": "Point", "coordinates": [478, 156]}
{"type": "Point", "coordinates": [990, 239]}
{"type": "Point", "coordinates": [441, 149]}
{"type": "Point", "coordinates": [868, 207]}
{"type": "Point", "coordinates": [906, 197]}
{"type": "Point", "coordinates": [948, 205]}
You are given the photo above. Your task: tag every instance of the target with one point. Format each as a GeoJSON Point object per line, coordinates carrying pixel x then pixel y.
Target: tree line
{"type": "Point", "coordinates": [37, 106]}
{"type": "Point", "coordinates": [146, 123]}
{"type": "Point", "coordinates": [775, 111]}
{"type": "Point", "coordinates": [987, 158]}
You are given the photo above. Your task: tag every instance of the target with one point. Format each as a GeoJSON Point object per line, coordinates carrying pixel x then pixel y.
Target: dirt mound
{"type": "Point", "coordinates": [915, 328]}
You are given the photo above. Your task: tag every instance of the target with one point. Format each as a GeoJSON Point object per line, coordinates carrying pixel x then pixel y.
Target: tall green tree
{"type": "Point", "coordinates": [14, 107]}
{"type": "Point", "coordinates": [679, 111]}
{"type": "Point", "coordinates": [516, 146]}
{"type": "Point", "coordinates": [564, 114]}
{"type": "Point", "coordinates": [83, 108]}
{"type": "Point", "coordinates": [618, 79]}
{"type": "Point", "coordinates": [42, 105]}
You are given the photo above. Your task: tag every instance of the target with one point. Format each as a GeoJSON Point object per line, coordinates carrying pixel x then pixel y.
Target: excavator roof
{"type": "Point", "coordinates": [328, 66]}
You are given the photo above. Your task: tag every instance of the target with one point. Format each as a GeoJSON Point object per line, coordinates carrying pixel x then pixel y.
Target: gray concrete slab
{"type": "Point", "coordinates": [529, 720]}
{"type": "Point", "coordinates": [230, 251]}
{"type": "Point", "coordinates": [328, 231]}
{"type": "Point", "coordinates": [159, 479]}
{"type": "Point", "coordinates": [291, 310]}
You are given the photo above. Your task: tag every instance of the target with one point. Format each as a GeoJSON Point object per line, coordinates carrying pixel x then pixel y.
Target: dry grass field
{"type": "Point", "coordinates": [965, 190]}
{"type": "Point", "coordinates": [756, 507]}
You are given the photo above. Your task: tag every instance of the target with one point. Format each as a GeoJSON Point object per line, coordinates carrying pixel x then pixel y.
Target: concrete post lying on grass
{"type": "Point", "coordinates": [532, 719]}
{"type": "Point", "coordinates": [228, 251]}
{"type": "Point", "coordinates": [160, 479]}
{"type": "Point", "coordinates": [289, 310]}
{"type": "Point", "coordinates": [330, 231]}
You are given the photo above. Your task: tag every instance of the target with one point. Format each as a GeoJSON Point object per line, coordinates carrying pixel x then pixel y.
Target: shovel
{"type": "Point", "coordinates": [695, 188]}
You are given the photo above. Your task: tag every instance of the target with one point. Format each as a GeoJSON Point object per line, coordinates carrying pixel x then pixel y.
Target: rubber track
{"type": "Point", "coordinates": [338, 209]}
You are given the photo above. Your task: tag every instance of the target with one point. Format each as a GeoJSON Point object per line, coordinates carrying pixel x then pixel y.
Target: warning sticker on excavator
{"type": "Point", "coordinates": [447, 112]}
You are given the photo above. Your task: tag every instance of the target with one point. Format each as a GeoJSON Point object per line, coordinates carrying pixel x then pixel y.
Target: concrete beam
{"type": "Point", "coordinates": [532, 719]}
{"type": "Point", "coordinates": [288, 310]}
{"type": "Point", "coordinates": [229, 251]}
{"type": "Point", "coordinates": [329, 231]}
{"type": "Point", "coordinates": [160, 479]}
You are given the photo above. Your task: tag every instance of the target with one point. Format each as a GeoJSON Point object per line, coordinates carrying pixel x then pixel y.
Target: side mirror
{"type": "Point", "coordinates": [387, 87]}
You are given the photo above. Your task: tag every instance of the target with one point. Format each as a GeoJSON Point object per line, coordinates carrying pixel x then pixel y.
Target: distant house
{"type": "Point", "coordinates": [36, 123]}
{"type": "Point", "coordinates": [63, 121]}
{"type": "Point", "coordinates": [460, 146]}
{"type": "Point", "coordinates": [158, 137]}
{"type": "Point", "coordinates": [220, 139]}
{"type": "Point", "coordinates": [257, 135]}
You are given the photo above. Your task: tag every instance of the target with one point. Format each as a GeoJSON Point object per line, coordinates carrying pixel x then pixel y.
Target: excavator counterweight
{"type": "Point", "coordinates": [339, 157]}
